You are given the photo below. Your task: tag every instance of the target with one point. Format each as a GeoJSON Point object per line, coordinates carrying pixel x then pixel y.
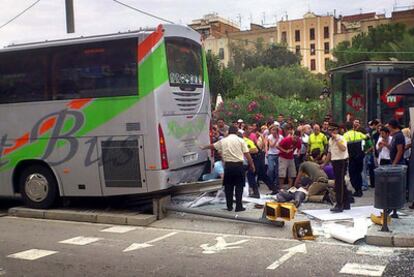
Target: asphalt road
{"type": "Point", "coordinates": [30, 247]}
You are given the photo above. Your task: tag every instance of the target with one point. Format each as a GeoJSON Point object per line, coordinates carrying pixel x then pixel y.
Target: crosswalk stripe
{"type": "Point", "coordinates": [119, 229]}
{"type": "Point", "coordinates": [375, 251]}
{"type": "Point", "coordinates": [32, 254]}
{"type": "Point", "coordinates": [80, 240]}
{"type": "Point", "coordinates": [363, 269]}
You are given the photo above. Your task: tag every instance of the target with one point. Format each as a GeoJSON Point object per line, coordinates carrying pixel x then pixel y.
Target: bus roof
{"type": "Point", "coordinates": [96, 38]}
{"type": "Point", "coordinates": [76, 40]}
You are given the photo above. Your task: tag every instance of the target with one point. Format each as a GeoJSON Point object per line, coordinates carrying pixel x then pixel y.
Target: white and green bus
{"type": "Point", "coordinates": [102, 116]}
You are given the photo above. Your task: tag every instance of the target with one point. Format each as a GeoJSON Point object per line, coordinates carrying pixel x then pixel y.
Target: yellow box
{"type": "Point", "coordinates": [274, 210]}
{"type": "Point", "coordinates": [302, 230]}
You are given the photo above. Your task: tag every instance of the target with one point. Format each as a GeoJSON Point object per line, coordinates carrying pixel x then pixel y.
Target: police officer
{"type": "Point", "coordinates": [233, 150]}
{"type": "Point", "coordinates": [338, 154]}
{"type": "Point", "coordinates": [354, 139]}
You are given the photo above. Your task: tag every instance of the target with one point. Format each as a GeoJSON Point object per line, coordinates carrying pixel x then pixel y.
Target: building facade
{"type": "Point", "coordinates": [312, 37]}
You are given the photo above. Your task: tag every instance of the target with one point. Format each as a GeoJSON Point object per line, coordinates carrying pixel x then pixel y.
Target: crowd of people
{"type": "Point", "coordinates": [300, 161]}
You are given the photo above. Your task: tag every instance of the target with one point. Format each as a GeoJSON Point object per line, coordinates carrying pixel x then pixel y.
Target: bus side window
{"type": "Point", "coordinates": [23, 77]}
{"type": "Point", "coordinates": [91, 70]}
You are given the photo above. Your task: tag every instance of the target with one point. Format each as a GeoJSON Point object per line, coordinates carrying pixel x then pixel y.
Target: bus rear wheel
{"type": "Point", "coordinates": [38, 187]}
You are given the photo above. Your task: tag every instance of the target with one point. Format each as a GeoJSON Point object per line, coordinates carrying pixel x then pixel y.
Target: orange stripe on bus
{"type": "Point", "coordinates": [145, 47]}
{"type": "Point", "coordinates": [47, 125]}
{"type": "Point", "coordinates": [78, 103]}
{"type": "Point", "coordinates": [19, 143]}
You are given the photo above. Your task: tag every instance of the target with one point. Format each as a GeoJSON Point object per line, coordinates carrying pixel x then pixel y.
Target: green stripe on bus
{"type": "Point", "coordinates": [152, 73]}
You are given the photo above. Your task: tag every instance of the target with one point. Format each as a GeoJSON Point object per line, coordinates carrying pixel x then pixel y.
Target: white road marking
{"type": "Point", "coordinates": [375, 251]}
{"type": "Point", "coordinates": [221, 245]}
{"type": "Point", "coordinates": [32, 254]}
{"type": "Point", "coordinates": [301, 248]}
{"type": "Point", "coordinates": [2, 271]}
{"type": "Point", "coordinates": [136, 246]}
{"type": "Point", "coordinates": [119, 229]}
{"type": "Point", "coordinates": [363, 269]}
{"type": "Point", "coordinates": [80, 240]}
{"type": "Point", "coordinates": [200, 233]}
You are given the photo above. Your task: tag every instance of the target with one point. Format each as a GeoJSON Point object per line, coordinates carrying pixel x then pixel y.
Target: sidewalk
{"type": "Point", "coordinates": [401, 232]}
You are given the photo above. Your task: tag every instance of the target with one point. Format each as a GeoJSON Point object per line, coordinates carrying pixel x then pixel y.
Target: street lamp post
{"type": "Point", "coordinates": [70, 17]}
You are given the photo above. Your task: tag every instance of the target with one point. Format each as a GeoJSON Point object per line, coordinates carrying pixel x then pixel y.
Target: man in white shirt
{"type": "Point", "coordinates": [273, 155]}
{"type": "Point", "coordinates": [233, 150]}
{"type": "Point", "coordinates": [383, 146]}
{"type": "Point", "coordinates": [338, 154]}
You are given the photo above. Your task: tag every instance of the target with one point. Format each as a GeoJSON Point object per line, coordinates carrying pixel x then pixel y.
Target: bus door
{"type": "Point", "coordinates": [122, 165]}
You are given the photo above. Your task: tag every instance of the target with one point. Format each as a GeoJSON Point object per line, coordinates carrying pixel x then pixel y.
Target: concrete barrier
{"type": "Point", "coordinates": [116, 217]}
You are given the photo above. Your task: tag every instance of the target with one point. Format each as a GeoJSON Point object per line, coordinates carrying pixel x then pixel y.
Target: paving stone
{"type": "Point", "coordinates": [70, 215]}
{"type": "Point", "coordinates": [26, 212]}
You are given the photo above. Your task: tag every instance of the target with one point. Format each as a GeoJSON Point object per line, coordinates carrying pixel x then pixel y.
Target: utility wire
{"type": "Point", "coordinates": [143, 12]}
{"type": "Point", "coordinates": [19, 14]}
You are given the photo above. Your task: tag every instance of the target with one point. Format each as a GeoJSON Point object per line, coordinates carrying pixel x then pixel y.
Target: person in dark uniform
{"type": "Point", "coordinates": [233, 150]}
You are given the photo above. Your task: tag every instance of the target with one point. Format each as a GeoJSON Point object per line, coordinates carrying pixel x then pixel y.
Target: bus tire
{"type": "Point", "coordinates": [38, 187]}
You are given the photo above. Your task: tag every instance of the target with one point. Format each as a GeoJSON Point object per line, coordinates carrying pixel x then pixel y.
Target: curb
{"type": "Point", "coordinates": [118, 218]}
{"type": "Point", "coordinates": [390, 239]}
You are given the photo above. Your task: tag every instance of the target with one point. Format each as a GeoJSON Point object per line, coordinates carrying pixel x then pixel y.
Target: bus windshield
{"type": "Point", "coordinates": [185, 66]}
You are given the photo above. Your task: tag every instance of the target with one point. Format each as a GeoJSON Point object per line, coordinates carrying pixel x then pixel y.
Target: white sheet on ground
{"type": "Point", "coordinates": [350, 234]}
{"type": "Point", "coordinates": [354, 212]}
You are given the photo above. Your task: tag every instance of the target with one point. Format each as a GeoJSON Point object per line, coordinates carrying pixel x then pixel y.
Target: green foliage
{"type": "Point", "coordinates": [260, 83]}
{"type": "Point", "coordinates": [274, 56]}
{"type": "Point", "coordinates": [284, 81]}
{"type": "Point", "coordinates": [221, 78]}
{"type": "Point", "coordinates": [262, 107]}
{"type": "Point", "coordinates": [379, 44]}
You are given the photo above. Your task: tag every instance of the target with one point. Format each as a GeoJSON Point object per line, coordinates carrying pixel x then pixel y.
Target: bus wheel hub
{"type": "Point", "coordinates": [37, 187]}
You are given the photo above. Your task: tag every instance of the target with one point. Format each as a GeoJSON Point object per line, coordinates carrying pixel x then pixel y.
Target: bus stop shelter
{"type": "Point", "coordinates": [360, 90]}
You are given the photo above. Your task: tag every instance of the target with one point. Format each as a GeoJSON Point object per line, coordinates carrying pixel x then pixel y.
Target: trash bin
{"type": "Point", "coordinates": [390, 186]}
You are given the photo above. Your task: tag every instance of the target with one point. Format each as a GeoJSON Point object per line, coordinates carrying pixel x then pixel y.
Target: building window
{"type": "Point", "coordinates": [312, 34]}
{"type": "Point", "coordinates": [284, 37]}
{"type": "Point", "coordinates": [326, 48]}
{"type": "Point", "coordinates": [313, 65]}
{"type": "Point", "coordinates": [271, 40]}
{"type": "Point", "coordinates": [326, 63]}
{"type": "Point", "coordinates": [297, 49]}
{"type": "Point", "coordinates": [326, 32]}
{"type": "Point", "coordinates": [209, 51]}
{"type": "Point", "coordinates": [297, 35]}
{"type": "Point", "coordinates": [312, 49]}
{"type": "Point", "coordinates": [370, 27]}
{"type": "Point", "coordinates": [221, 53]}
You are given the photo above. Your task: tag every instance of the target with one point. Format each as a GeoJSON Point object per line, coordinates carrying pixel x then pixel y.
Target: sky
{"type": "Point", "coordinates": [46, 20]}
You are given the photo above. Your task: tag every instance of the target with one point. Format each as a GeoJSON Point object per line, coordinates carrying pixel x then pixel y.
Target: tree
{"type": "Point", "coordinates": [380, 43]}
{"type": "Point", "coordinates": [273, 56]}
{"type": "Point", "coordinates": [221, 79]}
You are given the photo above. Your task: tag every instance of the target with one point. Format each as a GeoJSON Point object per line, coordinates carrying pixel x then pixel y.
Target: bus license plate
{"type": "Point", "coordinates": [190, 158]}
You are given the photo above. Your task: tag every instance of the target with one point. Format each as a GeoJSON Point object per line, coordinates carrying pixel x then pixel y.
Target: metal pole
{"type": "Point", "coordinates": [385, 221]}
{"type": "Point", "coordinates": [226, 216]}
{"type": "Point", "coordinates": [70, 17]}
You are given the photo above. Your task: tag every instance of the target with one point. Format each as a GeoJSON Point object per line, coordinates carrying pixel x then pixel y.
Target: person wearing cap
{"type": "Point", "coordinates": [338, 155]}
{"type": "Point", "coordinates": [355, 140]}
{"type": "Point", "coordinates": [233, 150]}
{"type": "Point", "coordinates": [397, 143]}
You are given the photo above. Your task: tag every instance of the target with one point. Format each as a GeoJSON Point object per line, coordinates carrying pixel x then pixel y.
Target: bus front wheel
{"type": "Point", "coordinates": [38, 187]}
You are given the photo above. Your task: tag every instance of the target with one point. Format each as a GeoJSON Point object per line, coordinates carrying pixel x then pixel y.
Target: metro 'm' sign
{"type": "Point", "coordinates": [390, 101]}
{"type": "Point", "coordinates": [356, 102]}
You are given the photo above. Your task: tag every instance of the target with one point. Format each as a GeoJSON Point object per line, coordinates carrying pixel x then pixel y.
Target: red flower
{"type": "Point", "coordinates": [252, 106]}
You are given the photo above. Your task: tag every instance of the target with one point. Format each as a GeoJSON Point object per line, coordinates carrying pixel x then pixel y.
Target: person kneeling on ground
{"type": "Point", "coordinates": [315, 180]}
